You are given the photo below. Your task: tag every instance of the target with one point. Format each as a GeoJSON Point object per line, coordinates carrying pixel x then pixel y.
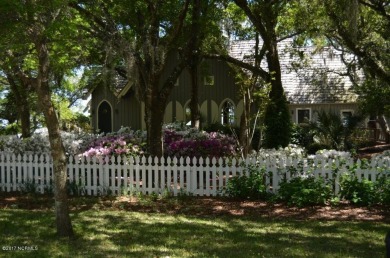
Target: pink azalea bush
{"type": "Point", "coordinates": [179, 142]}
{"type": "Point", "coordinates": [194, 143]}
{"type": "Point", "coordinates": [125, 142]}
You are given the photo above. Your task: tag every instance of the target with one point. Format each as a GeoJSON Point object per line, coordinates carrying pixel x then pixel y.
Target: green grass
{"type": "Point", "coordinates": [133, 234]}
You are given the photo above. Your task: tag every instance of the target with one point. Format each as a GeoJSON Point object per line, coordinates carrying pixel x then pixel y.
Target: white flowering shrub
{"type": "Point", "coordinates": [38, 143]}
{"type": "Point", "coordinates": [291, 150]}
{"type": "Point", "coordinates": [332, 154]}
{"type": "Point", "coordinates": [383, 156]}
{"type": "Point", "coordinates": [76, 143]}
{"type": "Point", "coordinates": [176, 126]}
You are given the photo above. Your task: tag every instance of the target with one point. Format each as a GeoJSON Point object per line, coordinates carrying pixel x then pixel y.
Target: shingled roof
{"type": "Point", "coordinates": [308, 75]}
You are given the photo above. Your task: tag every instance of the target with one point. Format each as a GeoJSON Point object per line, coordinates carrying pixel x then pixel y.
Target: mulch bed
{"type": "Point", "coordinates": [203, 207]}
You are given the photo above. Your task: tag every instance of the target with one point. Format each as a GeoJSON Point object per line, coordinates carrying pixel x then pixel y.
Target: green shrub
{"type": "Point", "coordinates": [358, 192]}
{"type": "Point", "coordinates": [301, 191]}
{"type": "Point", "coordinates": [278, 123]}
{"type": "Point", "coordinates": [382, 190]}
{"type": "Point", "coordinates": [74, 189]}
{"type": "Point", "coordinates": [224, 129]}
{"type": "Point", "coordinates": [314, 147]}
{"type": "Point", "coordinates": [302, 135]}
{"type": "Point", "coordinates": [29, 187]}
{"type": "Point", "coordinates": [252, 186]}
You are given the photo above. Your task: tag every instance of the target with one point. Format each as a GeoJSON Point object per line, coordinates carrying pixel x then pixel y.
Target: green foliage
{"type": "Point", "coordinates": [224, 129]}
{"type": "Point", "coordinates": [302, 135]}
{"type": "Point", "coordinates": [278, 124]}
{"type": "Point", "coordinates": [29, 187]}
{"type": "Point", "coordinates": [234, 22]}
{"type": "Point", "coordinates": [302, 191]}
{"type": "Point", "coordinates": [374, 97]}
{"type": "Point", "coordinates": [314, 147]}
{"type": "Point", "coordinates": [382, 189]}
{"type": "Point", "coordinates": [252, 186]}
{"type": "Point", "coordinates": [365, 192]}
{"type": "Point", "coordinates": [9, 129]}
{"type": "Point", "coordinates": [8, 108]}
{"type": "Point", "coordinates": [329, 131]}
{"type": "Point", "coordinates": [357, 191]}
{"type": "Point", "coordinates": [363, 30]}
{"type": "Point", "coordinates": [74, 189]}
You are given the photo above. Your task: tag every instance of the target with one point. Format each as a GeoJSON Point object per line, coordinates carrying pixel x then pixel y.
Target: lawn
{"type": "Point", "coordinates": [117, 231]}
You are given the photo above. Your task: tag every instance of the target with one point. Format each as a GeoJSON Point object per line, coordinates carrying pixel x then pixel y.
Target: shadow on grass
{"type": "Point", "coordinates": [133, 234]}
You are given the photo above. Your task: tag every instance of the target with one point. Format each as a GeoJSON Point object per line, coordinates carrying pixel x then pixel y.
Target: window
{"type": "Point", "coordinates": [227, 113]}
{"type": "Point", "coordinates": [303, 115]}
{"type": "Point", "coordinates": [346, 116]}
{"type": "Point", "coordinates": [208, 80]}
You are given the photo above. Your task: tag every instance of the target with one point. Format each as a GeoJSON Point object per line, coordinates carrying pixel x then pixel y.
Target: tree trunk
{"type": "Point", "coordinates": [264, 16]}
{"type": "Point", "coordinates": [277, 117]}
{"type": "Point", "coordinates": [384, 127]}
{"type": "Point", "coordinates": [63, 222]}
{"type": "Point", "coordinates": [154, 126]}
{"type": "Point", "coordinates": [194, 62]}
{"type": "Point", "coordinates": [244, 136]}
{"type": "Point", "coordinates": [21, 91]}
{"type": "Point", "coordinates": [25, 123]}
{"type": "Point", "coordinates": [195, 115]}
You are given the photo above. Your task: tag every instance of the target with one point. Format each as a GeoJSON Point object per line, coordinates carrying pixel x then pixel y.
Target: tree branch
{"type": "Point", "coordinates": [256, 70]}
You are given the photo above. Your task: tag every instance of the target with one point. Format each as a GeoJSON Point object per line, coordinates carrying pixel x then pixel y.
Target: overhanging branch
{"type": "Point", "coordinates": [255, 70]}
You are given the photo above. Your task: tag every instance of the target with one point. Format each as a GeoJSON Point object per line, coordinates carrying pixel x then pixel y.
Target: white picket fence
{"type": "Point", "coordinates": [199, 177]}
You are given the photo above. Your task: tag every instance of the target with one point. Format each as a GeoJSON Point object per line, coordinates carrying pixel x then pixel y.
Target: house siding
{"type": "Point", "coordinates": [210, 97]}
{"type": "Point", "coordinates": [125, 111]}
{"type": "Point", "coordinates": [128, 110]}
{"type": "Point", "coordinates": [100, 94]}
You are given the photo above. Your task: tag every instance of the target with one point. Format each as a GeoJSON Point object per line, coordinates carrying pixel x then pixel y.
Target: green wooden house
{"type": "Point", "coordinates": [312, 84]}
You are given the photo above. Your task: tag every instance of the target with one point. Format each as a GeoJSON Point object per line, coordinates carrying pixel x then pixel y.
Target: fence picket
{"type": "Point", "coordinates": [203, 176]}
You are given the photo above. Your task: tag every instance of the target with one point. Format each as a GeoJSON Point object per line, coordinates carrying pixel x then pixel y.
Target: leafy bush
{"type": "Point", "coordinates": [252, 186]}
{"type": "Point", "coordinates": [29, 187]}
{"type": "Point", "coordinates": [358, 192]}
{"type": "Point", "coordinates": [382, 190]}
{"type": "Point", "coordinates": [315, 147]}
{"type": "Point", "coordinates": [302, 135]}
{"type": "Point", "coordinates": [74, 189]}
{"type": "Point", "coordinates": [365, 192]}
{"type": "Point", "coordinates": [302, 191]}
{"type": "Point", "coordinates": [278, 124]}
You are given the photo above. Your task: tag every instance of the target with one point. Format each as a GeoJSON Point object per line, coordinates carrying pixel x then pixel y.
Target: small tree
{"type": "Point", "coordinates": [46, 30]}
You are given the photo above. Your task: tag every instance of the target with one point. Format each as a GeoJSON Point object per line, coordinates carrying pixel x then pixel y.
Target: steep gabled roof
{"type": "Point", "coordinates": [308, 75]}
